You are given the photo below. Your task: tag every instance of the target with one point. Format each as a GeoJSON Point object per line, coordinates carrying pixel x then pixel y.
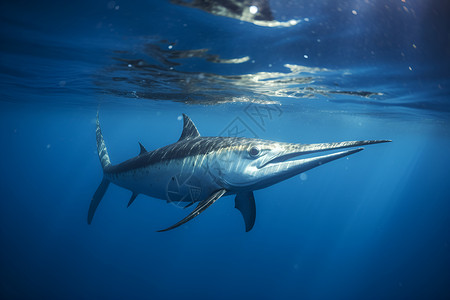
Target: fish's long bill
{"type": "Point", "coordinates": [286, 169]}
{"type": "Point", "coordinates": [312, 148]}
{"type": "Point", "coordinates": [295, 150]}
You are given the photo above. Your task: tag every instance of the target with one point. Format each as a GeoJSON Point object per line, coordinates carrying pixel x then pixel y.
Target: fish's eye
{"type": "Point", "coordinates": [254, 151]}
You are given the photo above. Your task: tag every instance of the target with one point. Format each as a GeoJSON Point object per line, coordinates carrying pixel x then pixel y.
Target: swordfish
{"type": "Point", "coordinates": [198, 169]}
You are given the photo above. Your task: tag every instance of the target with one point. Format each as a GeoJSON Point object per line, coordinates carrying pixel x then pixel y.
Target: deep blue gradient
{"type": "Point", "coordinates": [375, 225]}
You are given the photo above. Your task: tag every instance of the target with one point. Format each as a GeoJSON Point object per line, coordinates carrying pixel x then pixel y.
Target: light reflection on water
{"type": "Point", "coordinates": [154, 75]}
{"type": "Point", "coordinates": [251, 11]}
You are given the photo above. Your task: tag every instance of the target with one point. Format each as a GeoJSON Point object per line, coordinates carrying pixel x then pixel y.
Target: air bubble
{"type": "Point", "coordinates": [253, 9]}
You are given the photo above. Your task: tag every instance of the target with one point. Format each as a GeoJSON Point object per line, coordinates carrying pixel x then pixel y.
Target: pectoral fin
{"type": "Point", "coordinates": [189, 204]}
{"type": "Point", "coordinates": [200, 208]}
{"type": "Point", "coordinates": [245, 202]}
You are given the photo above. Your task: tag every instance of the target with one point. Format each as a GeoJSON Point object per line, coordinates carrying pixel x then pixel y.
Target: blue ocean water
{"type": "Point", "coordinates": [375, 225]}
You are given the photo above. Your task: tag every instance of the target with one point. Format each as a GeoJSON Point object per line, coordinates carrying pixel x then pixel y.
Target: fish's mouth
{"type": "Point", "coordinates": [283, 159]}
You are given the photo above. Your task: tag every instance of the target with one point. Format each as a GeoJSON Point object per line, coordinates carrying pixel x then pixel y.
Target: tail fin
{"type": "Point", "coordinates": [97, 198]}
{"type": "Point", "coordinates": [101, 147]}
{"type": "Point", "coordinates": [104, 160]}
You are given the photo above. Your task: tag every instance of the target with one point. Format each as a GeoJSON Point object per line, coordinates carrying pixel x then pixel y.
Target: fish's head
{"type": "Point", "coordinates": [251, 164]}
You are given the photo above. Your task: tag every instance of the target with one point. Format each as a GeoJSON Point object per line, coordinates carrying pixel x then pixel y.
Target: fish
{"type": "Point", "coordinates": [201, 170]}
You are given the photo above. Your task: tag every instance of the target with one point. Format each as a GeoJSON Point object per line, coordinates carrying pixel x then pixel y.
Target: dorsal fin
{"type": "Point", "coordinates": [143, 150]}
{"type": "Point", "coordinates": [189, 129]}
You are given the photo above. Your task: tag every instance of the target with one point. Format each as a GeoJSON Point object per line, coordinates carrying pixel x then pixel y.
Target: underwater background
{"type": "Point", "coordinates": [375, 225]}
